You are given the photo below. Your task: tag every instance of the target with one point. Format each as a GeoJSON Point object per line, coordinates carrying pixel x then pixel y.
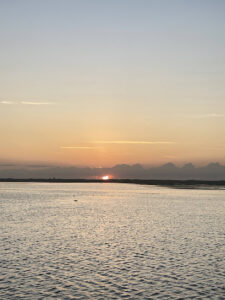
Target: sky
{"type": "Point", "coordinates": [98, 82]}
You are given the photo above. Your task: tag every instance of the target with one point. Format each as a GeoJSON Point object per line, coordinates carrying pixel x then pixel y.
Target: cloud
{"type": "Point", "coordinates": [7, 102]}
{"type": "Point", "coordinates": [39, 166]}
{"type": "Point", "coordinates": [119, 143]}
{"type": "Point", "coordinates": [78, 147]}
{"type": "Point", "coordinates": [26, 103]}
{"type": "Point", "coordinates": [8, 164]}
{"type": "Point", "coordinates": [35, 103]}
{"type": "Point", "coordinates": [135, 142]}
{"type": "Point", "coordinates": [212, 115]}
{"type": "Point", "coordinates": [213, 171]}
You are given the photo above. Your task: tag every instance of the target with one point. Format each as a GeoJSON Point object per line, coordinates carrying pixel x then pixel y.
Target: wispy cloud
{"type": "Point", "coordinates": [116, 142]}
{"type": "Point", "coordinates": [35, 103]}
{"type": "Point", "coordinates": [25, 103]}
{"type": "Point", "coordinates": [135, 142]}
{"type": "Point", "coordinates": [212, 115]}
{"type": "Point", "coordinates": [7, 102]}
{"type": "Point", "coordinates": [78, 147]}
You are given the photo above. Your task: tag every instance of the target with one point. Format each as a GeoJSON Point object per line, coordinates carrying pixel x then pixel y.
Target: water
{"type": "Point", "coordinates": [118, 241]}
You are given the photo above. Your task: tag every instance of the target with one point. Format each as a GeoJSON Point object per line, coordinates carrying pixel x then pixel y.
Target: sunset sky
{"type": "Point", "coordinates": [99, 82]}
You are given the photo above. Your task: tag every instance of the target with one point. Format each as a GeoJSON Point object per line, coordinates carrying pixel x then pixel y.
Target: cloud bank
{"type": "Point", "coordinates": [212, 171]}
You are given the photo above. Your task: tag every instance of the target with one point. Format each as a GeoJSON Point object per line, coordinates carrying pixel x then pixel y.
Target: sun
{"type": "Point", "coordinates": [105, 177]}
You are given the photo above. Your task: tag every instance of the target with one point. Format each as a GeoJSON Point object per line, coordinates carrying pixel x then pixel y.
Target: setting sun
{"type": "Point", "coordinates": [106, 177]}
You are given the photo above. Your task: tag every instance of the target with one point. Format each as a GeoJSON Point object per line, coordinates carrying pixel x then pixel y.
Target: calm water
{"type": "Point", "coordinates": [117, 241]}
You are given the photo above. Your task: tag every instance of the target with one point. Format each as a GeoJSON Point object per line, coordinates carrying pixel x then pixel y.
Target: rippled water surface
{"type": "Point", "coordinates": [117, 241]}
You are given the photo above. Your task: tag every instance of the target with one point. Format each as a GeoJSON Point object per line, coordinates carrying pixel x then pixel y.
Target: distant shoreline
{"type": "Point", "coordinates": [189, 184]}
